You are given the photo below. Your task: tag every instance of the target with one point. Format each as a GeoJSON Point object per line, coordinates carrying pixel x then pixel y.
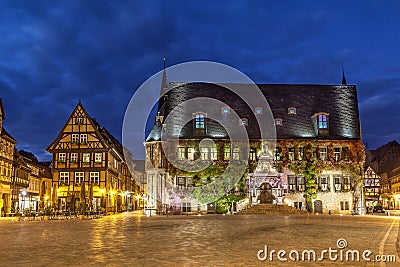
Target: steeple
{"type": "Point", "coordinates": [164, 84]}
{"type": "Point", "coordinates": [344, 82]}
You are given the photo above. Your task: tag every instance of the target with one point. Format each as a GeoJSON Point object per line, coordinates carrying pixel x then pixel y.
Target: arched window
{"type": "Point", "coordinates": [278, 122]}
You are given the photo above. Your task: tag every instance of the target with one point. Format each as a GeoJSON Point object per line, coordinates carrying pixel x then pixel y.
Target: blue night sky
{"type": "Point", "coordinates": [99, 52]}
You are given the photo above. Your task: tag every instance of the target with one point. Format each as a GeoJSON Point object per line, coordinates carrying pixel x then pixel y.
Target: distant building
{"type": "Point", "coordinates": [319, 155]}
{"type": "Point", "coordinates": [88, 166]}
{"type": "Point", "coordinates": [385, 162]}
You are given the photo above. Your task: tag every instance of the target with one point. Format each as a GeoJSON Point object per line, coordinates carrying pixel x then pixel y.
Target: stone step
{"type": "Point", "coordinates": [270, 209]}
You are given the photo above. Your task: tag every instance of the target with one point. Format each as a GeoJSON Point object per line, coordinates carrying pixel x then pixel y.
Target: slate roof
{"type": "Point", "coordinates": [339, 101]}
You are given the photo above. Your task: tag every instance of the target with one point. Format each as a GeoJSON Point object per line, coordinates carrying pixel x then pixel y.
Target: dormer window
{"type": "Point", "coordinates": [258, 110]}
{"type": "Point", "coordinates": [278, 122]}
{"type": "Point", "coordinates": [199, 123]}
{"type": "Point", "coordinates": [225, 110]}
{"type": "Point", "coordinates": [292, 110]}
{"type": "Point", "coordinates": [322, 121]}
{"type": "Point", "coordinates": [244, 121]}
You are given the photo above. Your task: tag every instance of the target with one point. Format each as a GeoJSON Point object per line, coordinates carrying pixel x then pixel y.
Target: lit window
{"type": "Point", "coordinates": [75, 138]}
{"type": "Point", "coordinates": [191, 153]}
{"type": "Point", "coordinates": [79, 177]}
{"type": "Point", "coordinates": [258, 110]}
{"type": "Point", "coordinates": [252, 155]}
{"type": "Point", "coordinates": [214, 154]}
{"type": "Point", "coordinates": [64, 178]}
{"type": "Point", "coordinates": [83, 138]}
{"type": "Point", "coordinates": [300, 153]}
{"type": "Point", "coordinates": [199, 121]}
{"type": "Point", "coordinates": [74, 157]}
{"type": "Point", "coordinates": [204, 153]}
{"type": "Point", "coordinates": [322, 122]}
{"type": "Point", "coordinates": [323, 153]}
{"type": "Point", "coordinates": [336, 153]}
{"type": "Point", "coordinates": [115, 164]}
{"type": "Point", "coordinates": [79, 120]}
{"type": "Point", "coordinates": [291, 153]}
{"type": "Point", "coordinates": [278, 121]}
{"type": "Point", "coordinates": [95, 178]}
{"type": "Point", "coordinates": [292, 110]}
{"type": "Point", "coordinates": [86, 157]}
{"type": "Point", "coordinates": [98, 157]}
{"type": "Point", "coordinates": [61, 157]}
{"type": "Point", "coordinates": [225, 110]}
{"type": "Point", "coordinates": [227, 153]}
{"type": "Point", "coordinates": [244, 122]}
{"type": "Point", "coordinates": [346, 183]}
{"type": "Point", "coordinates": [181, 153]}
{"type": "Point", "coordinates": [236, 153]}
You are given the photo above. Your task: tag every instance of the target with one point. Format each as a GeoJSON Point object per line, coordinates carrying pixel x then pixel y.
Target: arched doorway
{"type": "Point", "coordinates": [266, 196]}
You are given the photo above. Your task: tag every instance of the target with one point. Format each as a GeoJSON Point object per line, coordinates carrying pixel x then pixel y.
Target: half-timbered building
{"type": "Point", "coordinates": [88, 166]}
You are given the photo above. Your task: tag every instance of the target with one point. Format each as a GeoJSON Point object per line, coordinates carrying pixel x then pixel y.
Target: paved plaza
{"type": "Point", "coordinates": [213, 240]}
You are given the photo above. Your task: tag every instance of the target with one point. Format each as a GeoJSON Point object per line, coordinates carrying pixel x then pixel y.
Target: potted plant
{"type": "Point", "coordinates": [46, 213]}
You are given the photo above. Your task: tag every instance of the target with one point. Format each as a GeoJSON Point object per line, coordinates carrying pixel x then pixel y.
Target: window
{"type": "Point", "coordinates": [225, 110]}
{"type": "Point", "coordinates": [79, 120]}
{"type": "Point", "coordinates": [291, 153]}
{"type": "Point", "coordinates": [292, 110]}
{"type": "Point", "coordinates": [64, 178]}
{"type": "Point", "coordinates": [214, 153]}
{"type": "Point", "coordinates": [244, 121]}
{"type": "Point", "coordinates": [344, 205]}
{"type": "Point", "coordinates": [95, 178]}
{"type": "Point", "coordinates": [61, 157]}
{"type": "Point", "coordinates": [278, 122]}
{"type": "Point", "coordinates": [86, 157]}
{"type": "Point", "coordinates": [323, 183]}
{"type": "Point", "coordinates": [83, 138]}
{"type": "Point", "coordinates": [252, 155]}
{"type": "Point", "coordinates": [346, 183]}
{"type": "Point", "coordinates": [323, 153]}
{"type": "Point", "coordinates": [199, 121]}
{"type": "Point", "coordinates": [191, 153]}
{"type": "Point", "coordinates": [300, 183]}
{"type": "Point", "coordinates": [338, 185]}
{"type": "Point", "coordinates": [336, 153]}
{"type": "Point", "coordinates": [278, 151]}
{"type": "Point", "coordinates": [322, 121]}
{"type": "Point", "coordinates": [204, 153]}
{"type": "Point", "coordinates": [74, 157]}
{"type": "Point", "coordinates": [115, 164]}
{"type": "Point", "coordinates": [181, 180]}
{"type": "Point", "coordinates": [79, 177]}
{"type": "Point", "coordinates": [75, 138]}
{"type": "Point", "coordinates": [258, 110]}
{"type": "Point", "coordinates": [98, 157]}
{"type": "Point", "coordinates": [314, 152]}
{"type": "Point", "coordinates": [236, 153]}
{"type": "Point", "coordinates": [300, 153]}
{"type": "Point", "coordinates": [181, 153]}
{"type": "Point", "coordinates": [227, 153]}
{"type": "Point", "coordinates": [292, 182]}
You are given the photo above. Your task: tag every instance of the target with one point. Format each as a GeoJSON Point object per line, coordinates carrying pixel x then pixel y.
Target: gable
{"type": "Point", "coordinates": [79, 129]}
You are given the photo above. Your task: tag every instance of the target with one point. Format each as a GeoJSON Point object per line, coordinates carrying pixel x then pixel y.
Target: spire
{"type": "Point", "coordinates": [164, 84]}
{"type": "Point", "coordinates": [344, 82]}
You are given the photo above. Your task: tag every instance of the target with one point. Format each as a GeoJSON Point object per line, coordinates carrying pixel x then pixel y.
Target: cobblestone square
{"type": "Point", "coordinates": [213, 240]}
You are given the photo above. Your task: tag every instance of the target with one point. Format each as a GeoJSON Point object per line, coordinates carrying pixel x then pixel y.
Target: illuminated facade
{"type": "Point", "coordinates": [317, 163]}
{"type": "Point", "coordinates": [7, 148]}
{"type": "Point", "coordinates": [88, 167]}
